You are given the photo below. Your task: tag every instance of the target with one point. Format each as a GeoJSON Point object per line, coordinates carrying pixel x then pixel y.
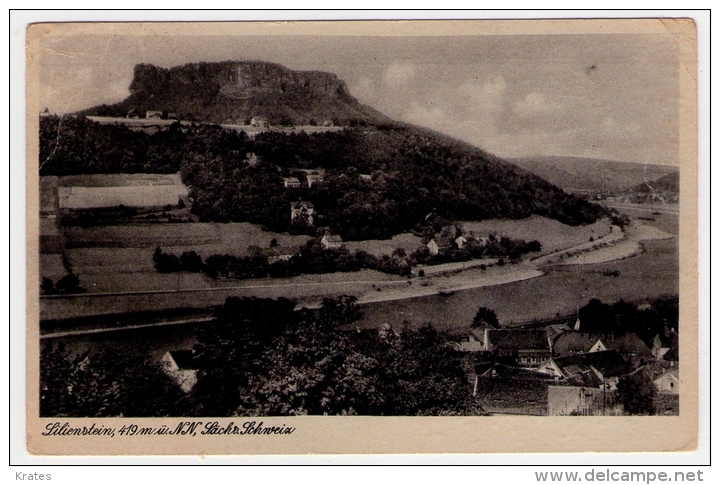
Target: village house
{"type": "Point", "coordinates": [153, 115]}
{"type": "Point", "coordinates": [280, 253]}
{"type": "Point", "coordinates": [313, 179]}
{"type": "Point", "coordinates": [258, 122]}
{"type": "Point", "coordinates": [301, 210]}
{"type": "Point", "coordinates": [661, 343]}
{"type": "Point", "coordinates": [567, 400]}
{"type": "Point", "coordinates": [527, 347]}
{"type": "Point", "coordinates": [292, 183]}
{"type": "Point", "coordinates": [178, 365]}
{"type": "Point", "coordinates": [331, 241]}
{"type": "Point", "coordinates": [607, 365]}
{"type": "Point", "coordinates": [630, 347]}
{"type": "Point", "coordinates": [438, 247]}
{"type": "Point", "coordinates": [366, 176]}
{"type": "Point", "coordinates": [668, 382]}
{"type": "Point", "coordinates": [571, 342]}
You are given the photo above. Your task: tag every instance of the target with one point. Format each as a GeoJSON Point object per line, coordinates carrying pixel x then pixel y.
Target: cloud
{"type": "Point", "coordinates": [487, 97]}
{"type": "Point", "coordinates": [400, 73]}
{"type": "Point", "coordinates": [534, 104]}
{"type": "Point", "coordinates": [364, 90]}
{"type": "Point", "coordinates": [430, 117]}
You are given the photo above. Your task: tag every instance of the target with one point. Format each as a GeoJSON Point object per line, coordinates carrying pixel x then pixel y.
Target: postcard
{"type": "Point", "coordinates": [362, 237]}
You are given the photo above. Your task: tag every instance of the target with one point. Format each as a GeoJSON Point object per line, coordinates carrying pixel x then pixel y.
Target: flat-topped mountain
{"type": "Point", "coordinates": [237, 92]}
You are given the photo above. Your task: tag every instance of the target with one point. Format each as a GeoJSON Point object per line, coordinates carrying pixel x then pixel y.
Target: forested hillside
{"type": "Point", "coordinates": [417, 178]}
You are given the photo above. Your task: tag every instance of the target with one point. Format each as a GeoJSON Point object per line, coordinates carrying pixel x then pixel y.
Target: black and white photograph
{"type": "Point", "coordinates": [243, 223]}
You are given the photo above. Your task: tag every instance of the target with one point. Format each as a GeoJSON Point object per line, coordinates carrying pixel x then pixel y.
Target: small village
{"type": "Point", "coordinates": [540, 369]}
{"type": "Point", "coordinates": [557, 369]}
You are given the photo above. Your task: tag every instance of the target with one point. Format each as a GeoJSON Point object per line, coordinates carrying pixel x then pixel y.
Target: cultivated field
{"type": "Point", "coordinates": [553, 235]}
{"type": "Point", "coordinates": [118, 180]}
{"type": "Point", "coordinates": [129, 190]}
{"type": "Point", "coordinates": [379, 247]}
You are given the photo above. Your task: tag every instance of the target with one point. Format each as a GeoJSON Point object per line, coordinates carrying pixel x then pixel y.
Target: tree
{"type": "Point", "coordinates": [636, 392]}
{"type": "Point", "coordinates": [190, 261]}
{"type": "Point", "coordinates": [47, 286]}
{"type": "Point", "coordinates": [485, 315]}
{"type": "Point", "coordinates": [69, 283]}
{"type": "Point", "coordinates": [105, 383]}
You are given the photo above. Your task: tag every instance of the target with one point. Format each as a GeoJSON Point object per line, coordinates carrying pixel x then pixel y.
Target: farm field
{"type": "Point", "coordinates": [112, 190]}
{"type": "Point", "coordinates": [379, 247]}
{"type": "Point", "coordinates": [553, 235]}
{"type": "Point", "coordinates": [48, 194]}
{"type": "Point", "coordinates": [118, 180]}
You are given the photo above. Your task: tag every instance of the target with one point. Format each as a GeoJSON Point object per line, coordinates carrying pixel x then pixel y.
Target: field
{"type": "Point", "coordinates": [129, 190]}
{"type": "Point", "coordinates": [378, 247]}
{"type": "Point", "coordinates": [553, 235]}
{"type": "Point", "coordinates": [48, 194]}
{"type": "Point", "coordinates": [118, 180]}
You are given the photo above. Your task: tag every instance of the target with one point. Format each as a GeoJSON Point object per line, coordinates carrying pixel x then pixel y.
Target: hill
{"type": "Point", "coordinates": [592, 175]}
{"type": "Point", "coordinates": [666, 188]}
{"type": "Point", "coordinates": [669, 183]}
{"type": "Point", "coordinates": [237, 92]}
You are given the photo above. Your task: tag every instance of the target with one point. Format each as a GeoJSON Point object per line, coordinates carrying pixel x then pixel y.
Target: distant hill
{"type": "Point", "coordinates": [592, 175]}
{"type": "Point", "coordinates": [668, 183]}
{"type": "Point", "coordinates": [236, 92]}
{"type": "Point", "coordinates": [665, 188]}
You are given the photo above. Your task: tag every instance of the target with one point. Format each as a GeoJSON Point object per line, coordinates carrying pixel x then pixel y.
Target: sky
{"type": "Point", "coordinates": [598, 96]}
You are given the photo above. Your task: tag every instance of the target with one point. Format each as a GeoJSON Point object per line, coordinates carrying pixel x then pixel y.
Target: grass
{"type": "Point", "coordinates": [379, 247]}
{"type": "Point", "coordinates": [553, 235]}
{"type": "Point", "coordinates": [117, 180]}
{"type": "Point", "coordinates": [128, 196]}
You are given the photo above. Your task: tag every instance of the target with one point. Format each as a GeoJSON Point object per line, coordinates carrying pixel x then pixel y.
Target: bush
{"type": "Point", "coordinates": [69, 284]}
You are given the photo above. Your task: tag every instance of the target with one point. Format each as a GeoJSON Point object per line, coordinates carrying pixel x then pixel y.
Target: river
{"type": "Point", "coordinates": [562, 290]}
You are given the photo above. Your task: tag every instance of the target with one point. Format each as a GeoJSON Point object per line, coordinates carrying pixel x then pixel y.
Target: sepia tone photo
{"type": "Point", "coordinates": [237, 229]}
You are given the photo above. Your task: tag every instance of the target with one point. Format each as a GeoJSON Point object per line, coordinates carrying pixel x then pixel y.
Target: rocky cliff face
{"type": "Point", "coordinates": [235, 92]}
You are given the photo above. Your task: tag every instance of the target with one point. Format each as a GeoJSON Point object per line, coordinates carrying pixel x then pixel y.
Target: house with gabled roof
{"type": "Point", "coordinates": [292, 183]}
{"type": "Point", "coordinates": [529, 347]}
{"type": "Point", "coordinates": [632, 349]}
{"type": "Point", "coordinates": [608, 365]}
{"type": "Point", "coordinates": [661, 343]}
{"type": "Point", "coordinates": [331, 241]}
{"type": "Point", "coordinates": [178, 365]}
{"type": "Point", "coordinates": [300, 210]}
{"type": "Point", "coordinates": [280, 253]}
{"type": "Point", "coordinates": [314, 179]}
{"type": "Point", "coordinates": [668, 382]}
{"type": "Point", "coordinates": [572, 342]}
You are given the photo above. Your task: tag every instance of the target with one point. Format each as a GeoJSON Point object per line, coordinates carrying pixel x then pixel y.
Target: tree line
{"type": "Point", "coordinates": [260, 357]}
{"type": "Point", "coordinates": [312, 258]}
